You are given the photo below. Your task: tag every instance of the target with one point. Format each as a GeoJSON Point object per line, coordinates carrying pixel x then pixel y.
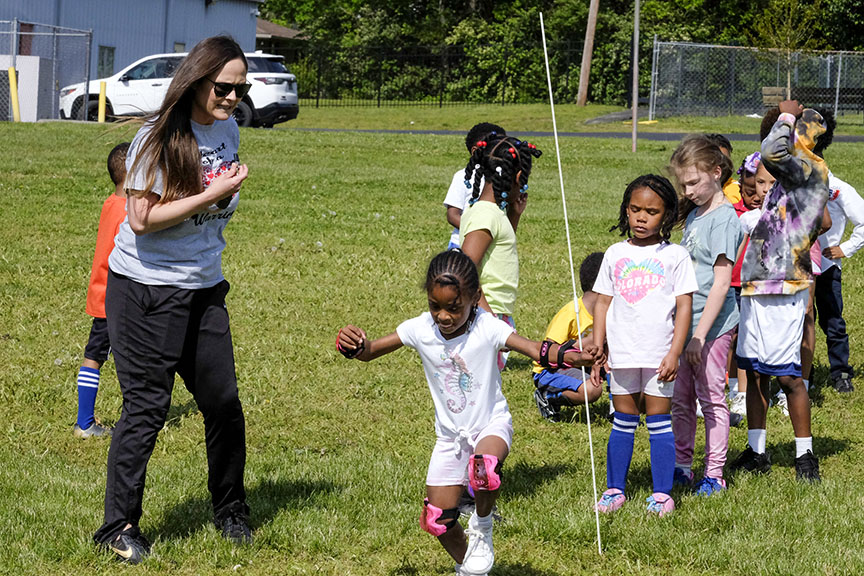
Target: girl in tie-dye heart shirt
{"type": "Point", "coordinates": [712, 235]}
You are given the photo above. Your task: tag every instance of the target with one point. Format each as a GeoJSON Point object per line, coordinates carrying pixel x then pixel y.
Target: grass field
{"type": "Point", "coordinates": [336, 228]}
{"type": "Point", "coordinates": [527, 117]}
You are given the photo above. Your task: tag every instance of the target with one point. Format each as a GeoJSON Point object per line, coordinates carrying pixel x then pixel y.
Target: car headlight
{"type": "Point", "coordinates": [271, 80]}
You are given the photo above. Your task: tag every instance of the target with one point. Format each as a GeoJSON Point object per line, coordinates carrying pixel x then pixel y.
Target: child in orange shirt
{"type": "Point", "coordinates": [98, 346]}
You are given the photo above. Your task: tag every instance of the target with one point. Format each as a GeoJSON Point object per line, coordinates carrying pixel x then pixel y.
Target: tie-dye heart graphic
{"type": "Point", "coordinates": [635, 280]}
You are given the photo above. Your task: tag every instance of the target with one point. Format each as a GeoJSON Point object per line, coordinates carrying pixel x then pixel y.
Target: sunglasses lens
{"type": "Point", "coordinates": [242, 89]}
{"type": "Point", "coordinates": [223, 89]}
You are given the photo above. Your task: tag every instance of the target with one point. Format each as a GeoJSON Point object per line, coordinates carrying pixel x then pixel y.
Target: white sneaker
{"type": "Point", "coordinates": [739, 404]}
{"type": "Point", "coordinates": [781, 402]}
{"type": "Point", "coordinates": [480, 555]}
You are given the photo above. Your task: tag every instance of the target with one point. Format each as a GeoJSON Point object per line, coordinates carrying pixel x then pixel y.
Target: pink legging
{"type": "Point", "coordinates": [707, 382]}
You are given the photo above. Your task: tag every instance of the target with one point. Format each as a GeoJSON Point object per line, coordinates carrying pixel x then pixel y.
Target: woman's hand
{"type": "Point", "coordinates": [229, 182]}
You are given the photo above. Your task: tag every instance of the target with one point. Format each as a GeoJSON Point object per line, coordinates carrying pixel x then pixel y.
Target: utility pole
{"type": "Point", "coordinates": [635, 71]}
{"type": "Point", "coordinates": [587, 52]}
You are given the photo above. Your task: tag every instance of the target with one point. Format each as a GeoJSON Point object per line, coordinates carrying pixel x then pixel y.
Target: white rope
{"type": "Point", "coordinates": [572, 280]}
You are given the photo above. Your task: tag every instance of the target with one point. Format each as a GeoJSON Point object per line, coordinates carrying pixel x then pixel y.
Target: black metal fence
{"type": "Point", "coordinates": [435, 76]}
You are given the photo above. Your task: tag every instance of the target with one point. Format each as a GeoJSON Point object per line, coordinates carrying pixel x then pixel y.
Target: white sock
{"type": "Point", "coordinates": [806, 384]}
{"type": "Point", "coordinates": [733, 387]}
{"type": "Point", "coordinates": [802, 445]}
{"type": "Point", "coordinates": [686, 469]}
{"type": "Point", "coordinates": [481, 521]}
{"type": "Point", "coordinates": [756, 439]}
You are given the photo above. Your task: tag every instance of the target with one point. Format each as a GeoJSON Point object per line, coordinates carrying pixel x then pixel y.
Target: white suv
{"type": "Point", "coordinates": [140, 88]}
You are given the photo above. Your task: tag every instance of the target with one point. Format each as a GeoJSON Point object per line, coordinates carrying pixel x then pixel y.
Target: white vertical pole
{"type": "Point", "coordinates": [572, 277]}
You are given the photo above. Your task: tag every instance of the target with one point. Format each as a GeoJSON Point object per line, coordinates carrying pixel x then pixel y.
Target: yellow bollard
{"type": "Point", "coordinates": [13, 92]}
{"type": "Point", "coordinates": [102, 102]}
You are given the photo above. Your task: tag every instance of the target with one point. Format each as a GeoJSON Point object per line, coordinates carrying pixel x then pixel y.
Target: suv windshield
{"type": "Point", "coordinates": [257, 64]}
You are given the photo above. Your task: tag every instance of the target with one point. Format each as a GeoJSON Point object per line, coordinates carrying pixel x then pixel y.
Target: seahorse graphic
{"type": "Point", "coordinates": [457, 381]}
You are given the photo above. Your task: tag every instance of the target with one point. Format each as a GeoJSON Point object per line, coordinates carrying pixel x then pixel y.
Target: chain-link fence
{"type": "Point", "coordinates": [46, 59]}
{"type": "Point", "coordinates": [706, 80]}
{"type": "Point", "coordinates": [435, 76]}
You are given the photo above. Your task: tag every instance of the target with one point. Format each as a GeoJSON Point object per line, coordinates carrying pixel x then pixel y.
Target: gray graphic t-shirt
{"type": "Point", "coordinates": [189, 254]}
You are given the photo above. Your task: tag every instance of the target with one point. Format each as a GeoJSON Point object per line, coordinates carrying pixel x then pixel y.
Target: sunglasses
{"type": "Point", "coordinates": [223, 89]}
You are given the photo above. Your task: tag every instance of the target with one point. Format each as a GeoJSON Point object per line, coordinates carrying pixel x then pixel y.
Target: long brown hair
{"type": "Point", "coordinates": [696, 150]}
{"type": "Point", "coordinates": [170, 146]}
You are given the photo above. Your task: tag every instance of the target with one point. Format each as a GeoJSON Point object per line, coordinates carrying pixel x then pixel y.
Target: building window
{"type": "Point", "coordinates": [179, 46]}
{"type": "Point", "coordinates": [105, 66]}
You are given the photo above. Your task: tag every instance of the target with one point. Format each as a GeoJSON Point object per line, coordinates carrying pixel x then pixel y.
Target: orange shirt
{"type": "Point", "coordinates": [113, 214]}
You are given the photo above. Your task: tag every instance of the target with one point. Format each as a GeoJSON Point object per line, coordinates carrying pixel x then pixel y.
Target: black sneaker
{"type": "Point", "coordinates": [130, 546]}
{"type": "Point", "coordinates": [547, 410]}
{"type": "Point", "coordinates": [807, 468]}
{"type": "Point", "coordinates": [234, 524]}
{"type": "Point", "coordinates": [843, 384]}
{"type": "Point", "coordinates": [750, 461]}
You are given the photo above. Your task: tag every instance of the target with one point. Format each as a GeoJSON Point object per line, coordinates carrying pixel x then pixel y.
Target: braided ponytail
{"type": "Point", "coordinates": [499, 159]}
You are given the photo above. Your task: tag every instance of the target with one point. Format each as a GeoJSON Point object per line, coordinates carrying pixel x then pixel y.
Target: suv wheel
{"type": "Point", "coordinates": [243, 114]}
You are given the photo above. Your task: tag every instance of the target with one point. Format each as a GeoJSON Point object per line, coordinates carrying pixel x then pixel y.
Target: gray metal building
{"type": "Point", "coordinates": [125, 30]}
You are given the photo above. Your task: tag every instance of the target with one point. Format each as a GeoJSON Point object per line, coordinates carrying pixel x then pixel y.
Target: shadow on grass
{"type": "Point", "coordinates": [523, 479]}
{"type": "Point", "coordinates": [177, 412]}
{"type": "Point", "coordinates": [599, 411]}
{"type": "Point", "coordinates": [520, 569]}
{"type": "Point", "coordinates": [265, 501]}
{"type": "Point", "coordinates": [783, 454]}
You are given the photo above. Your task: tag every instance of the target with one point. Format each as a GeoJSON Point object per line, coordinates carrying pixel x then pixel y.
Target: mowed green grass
{"type": "Point", "coordinates": [338, 228]}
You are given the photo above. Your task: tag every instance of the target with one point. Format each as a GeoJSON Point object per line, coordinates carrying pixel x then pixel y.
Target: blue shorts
{"type": "Point", "coordinates": [554, 384]}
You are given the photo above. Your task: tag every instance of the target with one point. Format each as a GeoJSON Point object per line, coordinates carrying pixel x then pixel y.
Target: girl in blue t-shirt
{"type": "Point", "coordinates": [712, 235]}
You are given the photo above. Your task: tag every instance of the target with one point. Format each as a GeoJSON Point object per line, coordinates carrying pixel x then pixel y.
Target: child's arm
{"type": "Point", "coordinates": [516, 208]}
{"type": "Point", "coordinates": [352, 338]}
{"type": "Point", "coordinates": [601, 306]}
{"type": "Point", "coordinates": [853, 207]}
{"type": "Point", "coordinates": [713, 304]}
{"type": "Point", "coordinates": [147, 214]}
{"type": "Point", "coordinates": [668, 370]}
{"type": "Point", "coordinates": [531, 348]}
{"type": "Point", "coordinates": [454, 216]}
{"type": "Point", "coordinates": [778, 146]}
{"type": "Point", "coordinates": [475, 245]}
{"type": "Point", "coordinates": [826, 221]}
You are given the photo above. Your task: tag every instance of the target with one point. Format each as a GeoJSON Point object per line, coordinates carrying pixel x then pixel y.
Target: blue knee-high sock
{"type": "Point", "coordinates": [662, 451]}
{"type": "Point", "coordinates": [88, 386]}
{"type": "Point", "coordinates": [619, 451]}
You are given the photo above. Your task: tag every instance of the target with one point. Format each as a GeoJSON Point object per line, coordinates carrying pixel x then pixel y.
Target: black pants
{"type": "Point", "coordinates": [155, 332]}
{"type": "Point", "coordinates": [829, 312]}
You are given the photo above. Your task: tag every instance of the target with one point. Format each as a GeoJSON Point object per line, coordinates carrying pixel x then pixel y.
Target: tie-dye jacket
{"type": "Point", "coordinates": [777, 259]}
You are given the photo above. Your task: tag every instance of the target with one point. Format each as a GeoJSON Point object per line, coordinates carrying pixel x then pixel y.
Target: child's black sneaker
{"type": "Point", "coordinates": [807, 468]}
{"type": "Point", "coordinates": [547, 410]}
{"type": "Point", "coordinates": [843, 384]}
{"type": "Point", "coordinates": [750, 461]}
{"type": "Point", "coordinates": [130, 546]}
{"type": "Point", "coordinates": [234, 524]}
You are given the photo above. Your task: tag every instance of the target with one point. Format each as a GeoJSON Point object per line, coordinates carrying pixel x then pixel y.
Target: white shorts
{"type": "Point", "coordinates": [638, 380]}
{"type": "Point", "coordinates": [448, 465]}
{"type": "Point", "coordinates": [769, 333]}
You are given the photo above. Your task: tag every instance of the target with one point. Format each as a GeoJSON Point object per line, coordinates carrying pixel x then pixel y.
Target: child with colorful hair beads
{"type": "Point", "coordinates": [712, 236]}
{"type": "Point", "coordinates": [459, 193]}
{"type": "Point", "coordinates": [488, 227]}
{"type": "Point", "coordinates": [775, 278]}
{"type": "Point", "coordinates": [98, 345]}
{"type": "Point", "coordinates": [644, 300]}
{"type": "Point", "coordinates": [458, 343]}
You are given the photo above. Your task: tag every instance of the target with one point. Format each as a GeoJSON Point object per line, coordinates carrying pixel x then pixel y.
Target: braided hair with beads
{"type": "Point", "coordinates": [499, 159]}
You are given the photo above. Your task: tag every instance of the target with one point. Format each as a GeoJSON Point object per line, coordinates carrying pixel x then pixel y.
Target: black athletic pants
{"type": "Point", "coordinates": [155, 332]}
{"type": "Point", "coordinates": [829, 312]}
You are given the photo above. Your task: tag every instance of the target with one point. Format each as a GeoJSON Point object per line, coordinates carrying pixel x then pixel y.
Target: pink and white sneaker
{"type": "Point", "coordinates": [610, 501]}
{"type": "Point", "coordinates": [660, 503]}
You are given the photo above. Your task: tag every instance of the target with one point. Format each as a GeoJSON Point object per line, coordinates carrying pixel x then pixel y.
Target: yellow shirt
{"type": "Point", "coordinates": [563, 327]}
{"type": "Point", "coordinates": [732, 191]}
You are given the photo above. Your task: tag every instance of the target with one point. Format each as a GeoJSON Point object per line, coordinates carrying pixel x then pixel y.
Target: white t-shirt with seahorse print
{"type": "Point", "coordinates": [462, 373]}
{"type": "Point", "coordinates": [644, 282]}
